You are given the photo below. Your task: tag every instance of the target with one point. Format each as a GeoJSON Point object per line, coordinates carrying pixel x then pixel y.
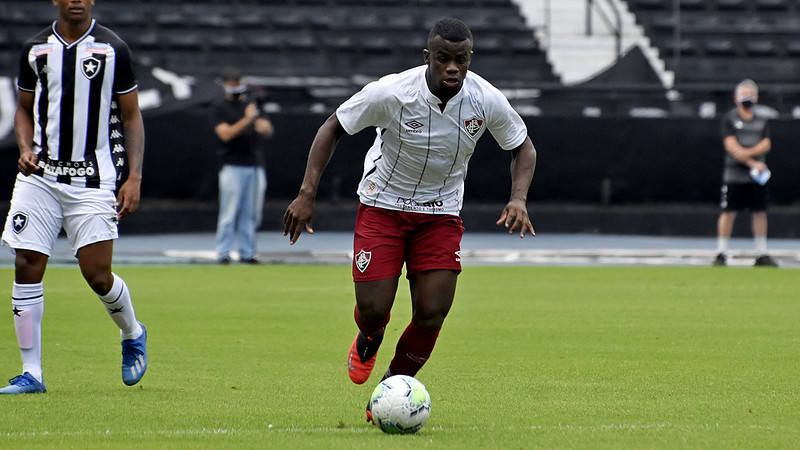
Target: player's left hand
{"type": "Point", "coordinates": [515, 215]}
{"type": "Point", "coordinates": [128, 198]}
{"type": "Point", "coordinates": [298, 218]}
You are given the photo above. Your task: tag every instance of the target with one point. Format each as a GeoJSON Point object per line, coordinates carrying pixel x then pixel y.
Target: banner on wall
{"type": "Point", "coordinates": [160, 91]}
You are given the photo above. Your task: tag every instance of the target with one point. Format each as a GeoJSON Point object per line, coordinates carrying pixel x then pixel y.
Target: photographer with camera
{"type": "Point", "coordinates": [241, 131]}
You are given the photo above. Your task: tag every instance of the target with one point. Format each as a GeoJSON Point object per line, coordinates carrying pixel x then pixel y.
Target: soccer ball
{"type": "Point", "coordinates": [400, 405]}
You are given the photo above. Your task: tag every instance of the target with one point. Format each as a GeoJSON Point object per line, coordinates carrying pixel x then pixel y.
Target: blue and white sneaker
{"type": "Point", "coordinates": [134, 358]}
{"type": "Point", "coordinates": [24, 384]}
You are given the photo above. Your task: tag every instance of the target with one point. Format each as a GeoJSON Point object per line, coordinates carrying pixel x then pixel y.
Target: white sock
{"type": "Point", "coordinates": [761, 243]}
{"type": "Point", "coordinates": [118, 304]}
{"type": "Point", "coordinates": [28, 302]}
{"type": "Point", "coordinates": [722, 244]}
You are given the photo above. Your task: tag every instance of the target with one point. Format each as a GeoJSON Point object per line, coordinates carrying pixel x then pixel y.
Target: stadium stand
{"type": "Point", "coordinates": [709, 46]}
{"type": "Point", "coordinates": [301, 38]}
{"type": "Point", "coordinates": [712, 44]}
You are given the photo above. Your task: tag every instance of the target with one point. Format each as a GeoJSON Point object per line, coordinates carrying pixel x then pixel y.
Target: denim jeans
{"type": "Point", "coordinates": [241, 203]}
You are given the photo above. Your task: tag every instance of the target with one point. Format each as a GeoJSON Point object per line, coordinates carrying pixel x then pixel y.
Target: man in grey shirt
{"type": "Point", "coordinates": [746, 138]}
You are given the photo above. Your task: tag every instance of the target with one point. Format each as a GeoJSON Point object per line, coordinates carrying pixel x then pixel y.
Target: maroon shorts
{"type": "Point", "coordinates": [385, 239]}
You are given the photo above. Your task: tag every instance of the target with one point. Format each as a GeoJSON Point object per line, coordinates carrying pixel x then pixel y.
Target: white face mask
{"type": "Point", "coordinates": [234, 90]}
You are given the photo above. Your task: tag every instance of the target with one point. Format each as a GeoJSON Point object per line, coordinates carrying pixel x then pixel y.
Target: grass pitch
{"type": "Point", "coordinates": [530, 357]}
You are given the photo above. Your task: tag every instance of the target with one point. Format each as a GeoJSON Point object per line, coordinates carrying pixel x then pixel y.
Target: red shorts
{"type": "Point", "coordinates": [385, 239]}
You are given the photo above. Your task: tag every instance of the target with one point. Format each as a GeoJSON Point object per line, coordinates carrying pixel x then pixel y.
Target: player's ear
{"type": "Point", "coordinates": [426, 56]}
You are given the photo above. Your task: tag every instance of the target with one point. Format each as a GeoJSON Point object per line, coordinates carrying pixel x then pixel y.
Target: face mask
{"type": "Point", "coordinates": [747, 102]}
{"type": "Point", "coordinates": [235, 91]}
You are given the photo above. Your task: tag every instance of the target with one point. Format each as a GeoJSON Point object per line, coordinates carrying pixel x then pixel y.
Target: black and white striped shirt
{"type": "Point", "coordinates": [77, 124]}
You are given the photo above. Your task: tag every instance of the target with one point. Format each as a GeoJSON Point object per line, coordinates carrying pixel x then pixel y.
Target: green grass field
{"type": "Point", "coordinates": [530, 357]}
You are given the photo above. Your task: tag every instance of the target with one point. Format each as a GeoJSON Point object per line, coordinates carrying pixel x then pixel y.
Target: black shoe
{"type": "Point", "coordinates": [765, 261]}
{"type": "Point", "coordinates": [720, 260]}
{"type": "Point", "coordinates": [224, 261]}
{"type": "Point", "coordinates": [251, 261]}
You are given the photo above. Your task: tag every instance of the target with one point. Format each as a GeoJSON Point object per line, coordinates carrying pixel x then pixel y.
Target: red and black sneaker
{"type": "Point", "coordinates": [369, 413]}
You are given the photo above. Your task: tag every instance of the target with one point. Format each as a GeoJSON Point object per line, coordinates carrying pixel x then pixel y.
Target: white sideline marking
{"type": "Point", "coordinates": [578, 257]}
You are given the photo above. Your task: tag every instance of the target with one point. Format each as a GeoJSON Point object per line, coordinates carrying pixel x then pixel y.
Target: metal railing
{"type": "Point", "coordinates": [613, 25]}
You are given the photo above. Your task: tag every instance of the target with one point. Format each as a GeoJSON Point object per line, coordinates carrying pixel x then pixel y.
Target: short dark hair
{"type": "Point", "coordinates": [231, 74]}
{"type": "Point", "coordinates": [451, 29]}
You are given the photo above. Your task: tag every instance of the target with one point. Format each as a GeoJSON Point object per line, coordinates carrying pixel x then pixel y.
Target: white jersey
{"type": "Point", "coordinates": [419, 159]}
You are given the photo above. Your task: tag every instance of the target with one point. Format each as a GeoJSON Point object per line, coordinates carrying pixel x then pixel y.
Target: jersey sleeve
{"type": "Point", "coordinates": [505, 124]}
{"type": "Point", "coordinates": [124, 76]}
{"type": "Point", "coordinates": [27, 76]}
{"type": "Point", "coordinates": [218, 115]}
{"type": "Point", "coordinates": [727, 127]}
{"type": "Point", "coordinates": [367, 108]}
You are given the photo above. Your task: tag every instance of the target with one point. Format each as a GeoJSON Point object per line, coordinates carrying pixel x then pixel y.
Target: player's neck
{"type": "Point", "coordinates": [71, 32]}
{"type": "Point", "coordinates": [745, 113]}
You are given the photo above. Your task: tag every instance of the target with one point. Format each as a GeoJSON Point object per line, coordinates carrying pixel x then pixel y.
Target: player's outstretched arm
{"type": "Point", "coordinates": [515, 214]}
{"type": "Point", "coordinates": [299, 213]}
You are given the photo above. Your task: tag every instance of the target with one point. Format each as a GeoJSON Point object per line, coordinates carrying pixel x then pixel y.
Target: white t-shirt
{"type": "Point", "coordinates": [419, 159]}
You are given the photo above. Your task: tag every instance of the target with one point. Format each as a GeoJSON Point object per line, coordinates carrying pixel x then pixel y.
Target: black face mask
{"type": "Point", "coordinates": [747, 102]}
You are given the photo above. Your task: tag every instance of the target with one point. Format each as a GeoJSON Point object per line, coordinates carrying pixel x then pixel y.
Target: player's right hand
{"type": "Point", "coordinates": [28, 162]}
{"type": "Point", "coordinates": [298, 217]}
{"type": "Point", "coordinates": [251, 111]}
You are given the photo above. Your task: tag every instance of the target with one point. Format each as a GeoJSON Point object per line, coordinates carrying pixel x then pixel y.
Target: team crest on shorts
{"type": "Point", "coordinates": [362, 260]}
{"type": "Point", "coordinates": [473, 126]}
{"type": "Point", "coordinates": [20, 221]}
{"type": "Point", "coordinates": [90, 67]}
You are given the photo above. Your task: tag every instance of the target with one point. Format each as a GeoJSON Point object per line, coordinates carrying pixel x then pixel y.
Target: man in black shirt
{"type": "Point", "coordinates": [746, 138]}
{"type": "Point", "coordinates": [240, 130]}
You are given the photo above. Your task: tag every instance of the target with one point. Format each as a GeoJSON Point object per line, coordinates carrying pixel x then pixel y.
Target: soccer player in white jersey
{"type": "Point", "coordinates": [79, 132]}
{"type": "Point", "coordinates": [428, 120]}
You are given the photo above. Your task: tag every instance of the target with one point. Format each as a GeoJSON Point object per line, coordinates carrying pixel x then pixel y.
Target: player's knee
{"type": "Point", "coordinates": [430, 320]}
{"type": "Point", "coordinates": [100, 282]}
{"type": "Point", "coordinates": [29, 266]}
{"type": "Point", "coordinates": [372, 315]}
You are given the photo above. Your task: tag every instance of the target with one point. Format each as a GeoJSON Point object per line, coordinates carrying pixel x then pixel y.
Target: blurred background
{"type": "Point", "coordinates": [622, 98]}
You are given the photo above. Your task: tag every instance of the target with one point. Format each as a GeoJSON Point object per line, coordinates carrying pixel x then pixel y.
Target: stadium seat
{"type": "Point", "coordinates": [760, 47]}
{"type": "Point", "coordinates": [685, 46]}
{"type": "Point", "coordinates": [142, 39]}
{"type": "Point", "coordinates": [182, 40]}
{"type": "Point", "coordinates": [772, 5]}
{"type": "Point", "coordinates": [692, 4]}
{"type": "Point", "coordinates": [226, 41]}
{"type": "Point", "coordinates": [793, 47]}
{"type": "Point", "coordinates": [288, 20]}
{"type": "Point", "coordinates": [731, 4]}
{"type": "Point", "coordinates": [262, 41]}
{"type": "Point", "coordinates": [719, 46]}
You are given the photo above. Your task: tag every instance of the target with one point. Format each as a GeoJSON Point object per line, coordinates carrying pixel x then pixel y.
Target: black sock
{"type": "Point", "coordinates": [367, 346]}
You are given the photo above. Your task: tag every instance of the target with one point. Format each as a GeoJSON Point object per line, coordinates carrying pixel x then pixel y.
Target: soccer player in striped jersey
{"type": "Point", "coordinates": [81, 141]}
{"type": "Point", "coordinates": [428, 121]}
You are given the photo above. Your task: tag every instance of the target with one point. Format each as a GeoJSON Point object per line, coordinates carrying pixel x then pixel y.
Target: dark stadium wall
{"type": "Point", "coordinates": [618, 161]}
{"type": "Point", "coordinates": [581, 160]}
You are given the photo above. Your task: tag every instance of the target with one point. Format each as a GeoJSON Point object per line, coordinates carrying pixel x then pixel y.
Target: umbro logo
{"type": "Point", "coordinates": [414, 126]}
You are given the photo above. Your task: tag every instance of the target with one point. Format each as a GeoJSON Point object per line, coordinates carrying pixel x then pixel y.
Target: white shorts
{"type": "Point", "coordinates": [40, 208]}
